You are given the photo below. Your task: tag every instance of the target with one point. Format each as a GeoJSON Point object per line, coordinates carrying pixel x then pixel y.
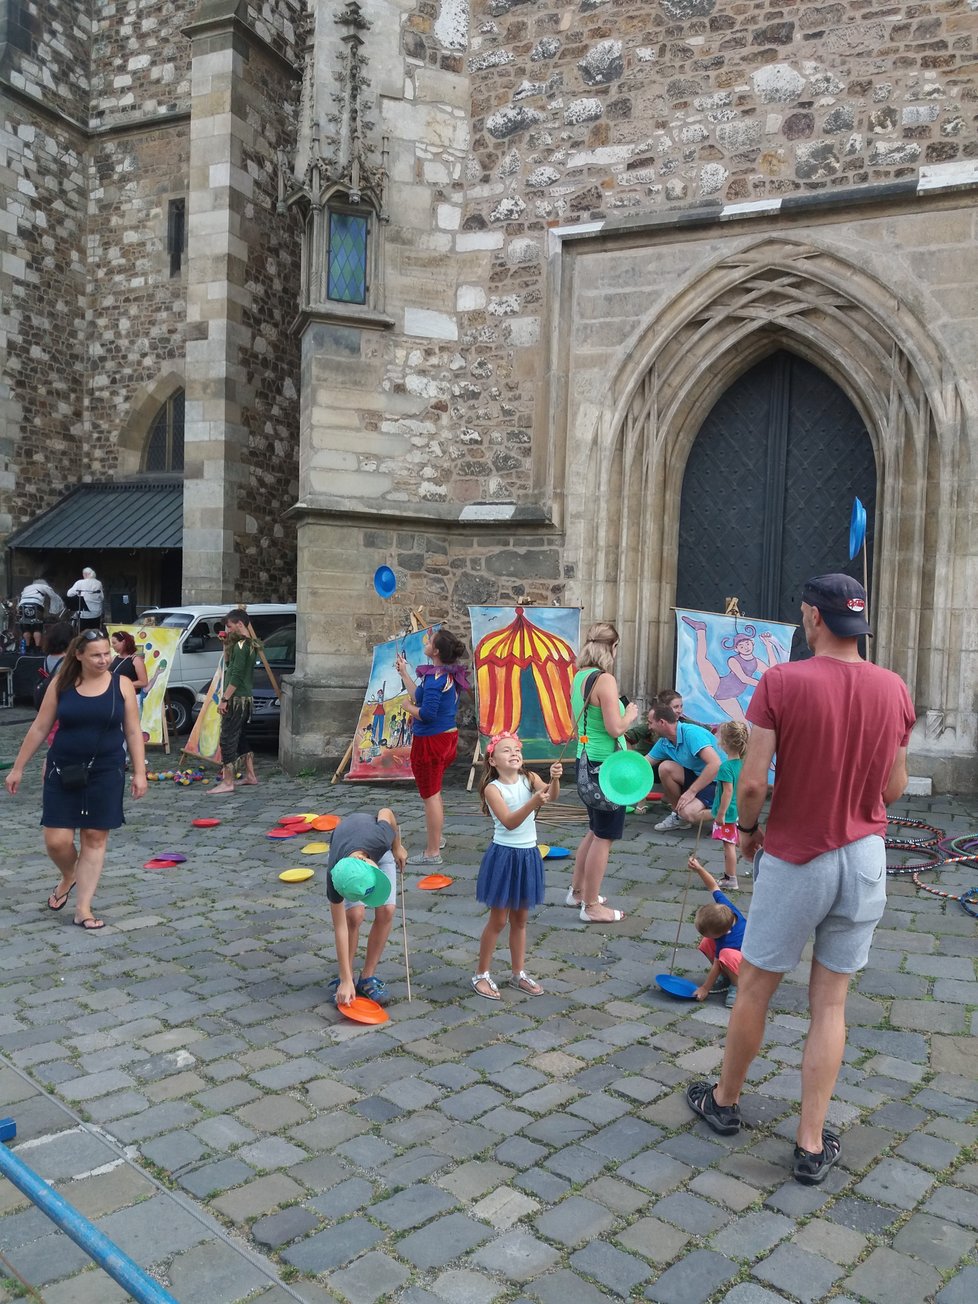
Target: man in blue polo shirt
{"type": "Point", "coordinates": [688, 766]}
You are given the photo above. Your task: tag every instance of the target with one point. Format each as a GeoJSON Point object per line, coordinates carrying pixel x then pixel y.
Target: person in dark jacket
{"type": "Point", "coordinates": [240, 650]}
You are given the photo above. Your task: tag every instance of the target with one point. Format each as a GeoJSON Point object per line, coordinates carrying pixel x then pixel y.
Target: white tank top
{"type": "Point", "coordinates": [514, 795]}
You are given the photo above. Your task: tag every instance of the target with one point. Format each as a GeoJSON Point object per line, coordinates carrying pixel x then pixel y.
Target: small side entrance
{"type": "Point", "coordinates": [768, 491]}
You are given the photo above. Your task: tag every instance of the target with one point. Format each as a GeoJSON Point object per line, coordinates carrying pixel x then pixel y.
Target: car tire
{"type": "Point", "coordinates": [178, 712]}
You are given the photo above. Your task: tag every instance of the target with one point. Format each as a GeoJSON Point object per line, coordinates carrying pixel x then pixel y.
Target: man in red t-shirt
{"type": "Point", "coordinates": [840, 727]}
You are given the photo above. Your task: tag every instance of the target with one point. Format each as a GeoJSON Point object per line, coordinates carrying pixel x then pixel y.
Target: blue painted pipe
{"type": "Point", "coordinates": [96, 1244]}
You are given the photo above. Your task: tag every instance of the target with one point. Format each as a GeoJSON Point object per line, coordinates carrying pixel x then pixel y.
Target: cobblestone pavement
{"type": "Point", "coordinates": [184, 1078]}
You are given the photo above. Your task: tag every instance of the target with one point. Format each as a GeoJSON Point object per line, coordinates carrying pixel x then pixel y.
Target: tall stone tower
{"type": "Point", "coordinates": [148, 281]}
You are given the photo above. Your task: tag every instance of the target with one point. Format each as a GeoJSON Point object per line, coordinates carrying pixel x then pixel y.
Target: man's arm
{"type": "Point", "coordinates": [752, 788]}
{"type": "Point", "coordinates": [711, 768]}
{"type": "Point", "coordinates": [897, 782]}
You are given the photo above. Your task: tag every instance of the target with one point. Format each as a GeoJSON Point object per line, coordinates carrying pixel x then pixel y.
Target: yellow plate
{"type": "Point", "coordinates": [297, 875]}
{"type": "Point", "coordinates": [543, 849]}
{"type": "Point", "coordinates": [315, 848]}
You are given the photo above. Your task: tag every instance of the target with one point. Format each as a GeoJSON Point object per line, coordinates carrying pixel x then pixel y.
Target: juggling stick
{"type": "Point", "coordinates": [407, 967]}
{"type": "Point", "coordinates": [682, 908]}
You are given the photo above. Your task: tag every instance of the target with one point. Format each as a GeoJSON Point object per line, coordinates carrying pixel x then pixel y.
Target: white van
{"type": "Point", "coordinates": [200, 648]}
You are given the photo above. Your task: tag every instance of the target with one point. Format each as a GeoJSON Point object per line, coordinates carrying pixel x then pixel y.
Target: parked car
{"type": "Point", "coordinates": [266, 713]}
{"type": "Point", "coordinates": [200, 649]}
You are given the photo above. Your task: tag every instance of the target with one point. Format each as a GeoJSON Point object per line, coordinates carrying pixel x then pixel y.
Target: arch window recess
{"type": "Point", "coordinates": [164, 444]}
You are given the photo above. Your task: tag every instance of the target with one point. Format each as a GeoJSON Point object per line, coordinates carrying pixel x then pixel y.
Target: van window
{"type": "Point", "coordinates": [172, 619]}
{"type": "Point", "coordinates": [265, 626]}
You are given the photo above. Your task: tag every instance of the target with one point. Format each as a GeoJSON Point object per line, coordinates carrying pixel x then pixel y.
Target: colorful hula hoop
{"type": "Point", "coordinates": [912, 844]}
{"type": "Point", "coordinates": [968, 901]}
{"type": "Point", "coordinates": [937, 891]}
{"type": "Point", "coordinates": [936, 859]}
{"type": "Point", "coordinates": [965, 844]}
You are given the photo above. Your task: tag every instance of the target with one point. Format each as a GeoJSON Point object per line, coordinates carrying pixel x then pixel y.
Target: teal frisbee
{"type": "Point", "coordinates": [625, 778]}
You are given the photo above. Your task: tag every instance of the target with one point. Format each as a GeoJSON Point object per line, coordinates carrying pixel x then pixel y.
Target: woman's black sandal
{"type": "Point", "coordinates": [810, 1169]}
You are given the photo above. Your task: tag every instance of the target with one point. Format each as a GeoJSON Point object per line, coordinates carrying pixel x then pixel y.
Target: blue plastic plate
{"type": "Point", "coordinates": [681, 987]}
{"type": "Point", "coordinates": [558, 853]}
{"type": "Point", "coordinates": [857, 528]}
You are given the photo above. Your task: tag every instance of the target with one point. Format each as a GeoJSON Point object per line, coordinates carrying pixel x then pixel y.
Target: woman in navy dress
{"type": "Point", "coordinates": [95, 711]}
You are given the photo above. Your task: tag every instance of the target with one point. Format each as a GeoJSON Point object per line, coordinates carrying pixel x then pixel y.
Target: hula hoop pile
{"type": "Point", "coordinates": [940, 852]}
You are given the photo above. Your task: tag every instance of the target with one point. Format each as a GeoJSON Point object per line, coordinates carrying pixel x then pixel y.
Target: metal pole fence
{"type": "Point", "coordinates": [130, 1276]}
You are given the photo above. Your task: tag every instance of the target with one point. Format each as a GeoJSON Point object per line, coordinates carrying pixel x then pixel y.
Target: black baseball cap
{"type": "Point", "coordinates": [841, 602]}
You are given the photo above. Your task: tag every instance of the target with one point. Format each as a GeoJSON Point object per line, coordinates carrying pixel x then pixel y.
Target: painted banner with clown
{"type": "Point", "coordinates": [157, 646]}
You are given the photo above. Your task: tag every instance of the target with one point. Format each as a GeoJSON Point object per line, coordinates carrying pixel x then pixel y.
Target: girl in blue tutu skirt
{"type": "Point", "coordinates": [510, 879]}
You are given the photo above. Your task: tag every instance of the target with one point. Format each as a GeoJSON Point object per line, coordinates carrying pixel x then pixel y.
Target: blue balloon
{"type": "Point", "coordinates": [857, 528]}
{"type": "Point", "coordinates": [385, 582]}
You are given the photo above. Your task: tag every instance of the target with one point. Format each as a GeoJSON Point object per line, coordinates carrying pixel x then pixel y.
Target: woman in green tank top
{"type": "Point", "coordinates": [603, 724]}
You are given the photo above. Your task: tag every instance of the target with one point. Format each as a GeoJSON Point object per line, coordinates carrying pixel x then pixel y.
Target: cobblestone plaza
{"type": "Point", "coordinates": [184, 1080]}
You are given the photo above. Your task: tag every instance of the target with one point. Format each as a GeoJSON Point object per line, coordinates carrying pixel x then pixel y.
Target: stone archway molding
{"type": "Point", "coordinates": [768, 294]}
{"type": "Point", "coordinates": [146, 405]}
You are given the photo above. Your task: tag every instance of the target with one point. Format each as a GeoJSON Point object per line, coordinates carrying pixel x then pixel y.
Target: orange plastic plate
{"type": "Point", "coordinates": [362, 1010]}
{"type": "Point", "coordinates": [432, 882]}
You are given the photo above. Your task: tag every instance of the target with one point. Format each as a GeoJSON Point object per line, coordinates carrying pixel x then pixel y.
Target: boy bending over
{"type": "Point", "coordinates": [365, 852]}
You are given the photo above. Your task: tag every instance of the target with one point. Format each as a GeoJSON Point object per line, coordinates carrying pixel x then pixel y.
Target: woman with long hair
{"type": "Point", "coordinates": [127, 661]}
{"type": "Point", "coordinates": [85, 772]}
{"type": "Point", "coordinates": [435, 736]}
{"type": "Point", "coordinates": [595, 702]}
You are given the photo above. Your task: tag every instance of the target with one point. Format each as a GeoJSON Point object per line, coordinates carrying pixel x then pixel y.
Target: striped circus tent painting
{"type": "Point", "coordinates": [524, 664]}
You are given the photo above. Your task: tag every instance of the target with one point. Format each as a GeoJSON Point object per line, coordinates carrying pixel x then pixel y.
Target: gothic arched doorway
{"type": "Point", "coordinates": [768, 490]}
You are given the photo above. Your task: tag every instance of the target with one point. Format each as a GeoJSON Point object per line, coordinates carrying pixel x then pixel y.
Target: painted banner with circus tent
{"type": "Point", "coordinates": [524, 667]}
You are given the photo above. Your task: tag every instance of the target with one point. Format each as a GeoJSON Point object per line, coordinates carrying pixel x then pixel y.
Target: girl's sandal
{"type": "Point", "coordinates": [525, 983]}
{"type": "Point", "coordinates": [571, 900]}
{"type": "Point", "coordinates": [492, 994]}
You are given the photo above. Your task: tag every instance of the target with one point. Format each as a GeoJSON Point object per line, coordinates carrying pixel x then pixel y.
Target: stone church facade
{"type": "Point", "coordinates": [610, 302]}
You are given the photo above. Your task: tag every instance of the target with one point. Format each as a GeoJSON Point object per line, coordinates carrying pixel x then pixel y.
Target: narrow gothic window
{"type": "Point", "coordinates": [176, 234]}
{"type": "Point", "coordinates": [164, 447]}
{"type": "Point", "coordinates": [347, 262]}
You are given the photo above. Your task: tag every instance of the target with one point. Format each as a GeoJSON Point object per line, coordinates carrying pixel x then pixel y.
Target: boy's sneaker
{"type": "Point", "coordinates": [672, 823]}
{"type": "Point", "coordinates": [720, 986]}
{"type": "Point", "coordinates": [730, 997]}
{"type": "Point", "coordinates": [728, 885]}
{"type": "Point", "coordinates": [374, 989]}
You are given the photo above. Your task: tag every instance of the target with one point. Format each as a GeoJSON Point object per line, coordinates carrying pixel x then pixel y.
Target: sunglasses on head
{"type": "Point", "coordinates": [93, 635]}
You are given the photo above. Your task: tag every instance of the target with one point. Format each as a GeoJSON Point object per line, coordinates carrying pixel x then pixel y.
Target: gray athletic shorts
{"type": "Point", "coordinates": [387, 865]}
{"type": "Point", "coordinates": [839, 895]}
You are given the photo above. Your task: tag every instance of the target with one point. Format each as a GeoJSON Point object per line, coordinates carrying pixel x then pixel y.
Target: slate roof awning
{"type": "Point", "coordinates": [125, 515]}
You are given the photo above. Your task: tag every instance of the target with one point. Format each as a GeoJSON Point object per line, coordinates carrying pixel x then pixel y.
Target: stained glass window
{"type": "Point", "coordinates": [164, 447]}
{"type": "Point", "coordinates": [347, 278]}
